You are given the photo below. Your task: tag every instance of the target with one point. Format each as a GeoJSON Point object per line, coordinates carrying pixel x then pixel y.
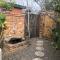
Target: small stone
{"type": "Point", "coordinates": [37, 59]}
{"type": "Point", "coordinates": [39, 53]}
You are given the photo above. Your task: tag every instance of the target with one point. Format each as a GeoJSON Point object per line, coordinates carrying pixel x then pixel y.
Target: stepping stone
{"type": "Point", "coordinates": [39, 53]}
{"type": "Point", "coordinates": [39, 48]}
{"type": "Point", "coordinates": [46, 58]}
{"type": "Point", "coordinates": [39, 42]}
{"type": "Point", "coordinates": [37, 59]}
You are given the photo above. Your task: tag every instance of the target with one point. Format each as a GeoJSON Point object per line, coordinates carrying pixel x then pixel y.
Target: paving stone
{"type": "Point", "coordinates": [41, 42]}
{"type": "Point", "coordinates": [39, 48]}
{"type": "Point", "coordinates": [46, 58]}
{"type": "Point", "coordinates": [37, 59]}
{"type": "Point", "coordinates": [39, 53]}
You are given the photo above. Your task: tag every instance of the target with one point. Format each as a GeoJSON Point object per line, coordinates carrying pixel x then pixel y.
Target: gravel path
{"type": "Point", "coordinates": [38, 49]}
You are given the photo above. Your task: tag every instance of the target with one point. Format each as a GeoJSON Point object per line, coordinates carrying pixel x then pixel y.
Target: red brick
{"type": "Point", "coordinates": [14, 18]}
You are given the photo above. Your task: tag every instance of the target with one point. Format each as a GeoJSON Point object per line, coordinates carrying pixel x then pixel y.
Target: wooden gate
{"type": "Point", "coordinates": [47, 23]}
{"type": "Point", "coordinates": [33, 25]}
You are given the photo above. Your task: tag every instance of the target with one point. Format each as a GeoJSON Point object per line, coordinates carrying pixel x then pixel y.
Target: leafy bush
{"type": "Point", "coordinates": [7, 6]}
{"type": "Point", "coordinates": [2, 20]}
{"type": "Point", "coordinates": [56, 35]}
{"type": "Point", "coordinates": [53, 5]}
{"type": "Point", "coordinates": [2, 26]}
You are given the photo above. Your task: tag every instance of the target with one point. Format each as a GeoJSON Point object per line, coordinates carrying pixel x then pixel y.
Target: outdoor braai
{"type": "Point", "coordinates": [12, 44]}
{"type": "Point", "coordinates": [15, 40]}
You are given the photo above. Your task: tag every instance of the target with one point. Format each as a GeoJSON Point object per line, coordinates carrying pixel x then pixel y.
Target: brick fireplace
{"type": "Point", "coordinates": [15, 22]}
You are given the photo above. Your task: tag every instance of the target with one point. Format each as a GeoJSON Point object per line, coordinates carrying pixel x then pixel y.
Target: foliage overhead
{"type": "Point", "coordinates": [2, 2]}
{"type": "Point", "coordinates": [7, 6]}
{"type": "Point", "coordinates": [54, 4]}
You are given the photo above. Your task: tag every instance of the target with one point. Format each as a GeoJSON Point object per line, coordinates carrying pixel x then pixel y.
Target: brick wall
{"type": "Point", "coordinates": [15, 23]}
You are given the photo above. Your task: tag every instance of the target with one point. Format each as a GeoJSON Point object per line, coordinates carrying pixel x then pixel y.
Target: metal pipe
{"type": "Point", "coordinates": [28, 19]}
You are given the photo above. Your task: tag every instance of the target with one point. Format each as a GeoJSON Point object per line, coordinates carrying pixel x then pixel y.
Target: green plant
{"type": "Point", "coordinates": [56, 35]}
{"type": "Point", "coordinates": [1, 3]}
{"type": "Point", "coordinates": [54, 5]}
{"type": "Point", "coordinates": [2, 20]}
{"type": "Point", "coordinates": [6, 5]}
{"type": "Point", "coordinates": [2, 25]}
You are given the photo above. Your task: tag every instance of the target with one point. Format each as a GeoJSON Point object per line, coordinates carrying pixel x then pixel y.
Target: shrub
{"type": "Point", "coordinates": [7, 6]}
{"type": "Point", "coordinates": [2, 19]}
{"type": "Point", "coordinates": [56, 35]}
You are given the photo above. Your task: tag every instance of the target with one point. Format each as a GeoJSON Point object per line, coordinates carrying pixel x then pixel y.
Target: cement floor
{"type": "Point", "coordinates": [34, 51]}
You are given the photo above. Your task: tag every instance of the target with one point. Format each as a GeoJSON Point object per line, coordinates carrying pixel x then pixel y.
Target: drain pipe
{"type": "Point", "coordinates": [28, 25]}
{"type": "Point", "coordinates": [28, 19]}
